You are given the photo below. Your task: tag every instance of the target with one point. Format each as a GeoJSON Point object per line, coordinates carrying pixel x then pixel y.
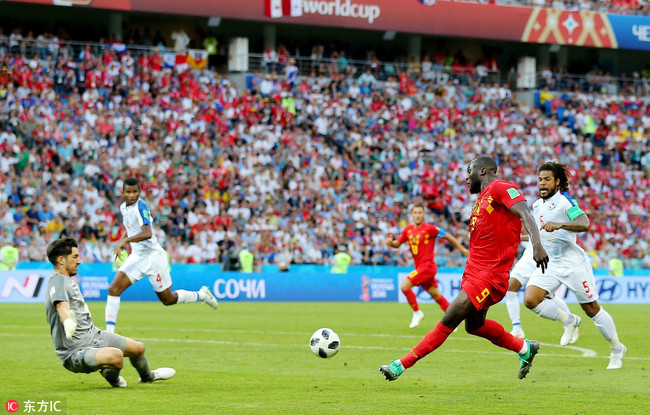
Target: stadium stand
{"type": "Point", "coordinates": [296, 166]}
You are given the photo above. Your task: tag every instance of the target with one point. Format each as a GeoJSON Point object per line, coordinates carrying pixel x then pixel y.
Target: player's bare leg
{"type": "Point", "coordinates": [120, 283]}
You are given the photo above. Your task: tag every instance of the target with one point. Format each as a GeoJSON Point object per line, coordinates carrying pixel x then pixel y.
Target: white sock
{"type": "Point", "coordinates": [549, 310]}
{"type": "Point", "coordinates": [524, 348]}
{"type": "Point", "coordinates": [110, 314]}
{"type": "Point", "coordinates": [605, 324]}
{"type": "Point", "coordinates": [201, 295]}
{"type": "Point", "coordinates": [561, 304]}
{"type": "Point", "coordinates": [512, 303]}
{"type": "Point", "coordinates": [185, 296]}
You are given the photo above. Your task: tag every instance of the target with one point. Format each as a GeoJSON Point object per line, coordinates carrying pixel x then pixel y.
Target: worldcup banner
{"type": "Point", "coordinates": [303, 283]}
{"type": "Point", "coordinates": [433, 17]}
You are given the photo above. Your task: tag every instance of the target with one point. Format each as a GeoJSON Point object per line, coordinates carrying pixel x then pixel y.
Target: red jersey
{"type": "Point", "coordinates": [494, 229]}
{"type": "Point", "coordinates": [421, 242]}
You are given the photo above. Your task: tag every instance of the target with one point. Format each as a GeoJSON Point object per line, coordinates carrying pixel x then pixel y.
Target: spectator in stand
{"type": "Point", "coordinates": [181, 40]}
{"type": "Point", "coordinates": [545, 98]}
{"type": "Point", "coordinates": [283, 57]}
{"type": "Point", "coordinates": [270, 59]}
{"type": "Point", "coordinates": [291, 72]}
{"type": "Point", "coordinates": [9, 256]}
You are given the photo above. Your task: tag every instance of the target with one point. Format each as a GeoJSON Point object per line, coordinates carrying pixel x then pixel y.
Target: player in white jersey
{"type": "Point", "coordinates": [519, 277]}
{"type": "Point", "coordinates": [147, 259]}
{"type": "Point", "coordinates": [560, 218]}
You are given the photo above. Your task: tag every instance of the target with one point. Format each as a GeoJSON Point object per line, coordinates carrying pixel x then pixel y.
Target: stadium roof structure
{"type": "Point", "coordinates": [426, 17]}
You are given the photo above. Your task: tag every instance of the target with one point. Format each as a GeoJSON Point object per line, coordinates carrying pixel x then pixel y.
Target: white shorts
{"type": "Point", "coordinates": [523, 269]}
{"type": "Point", "coordinates": [154, 266]}
{"type": "Point", "coordinates": [579, 279]}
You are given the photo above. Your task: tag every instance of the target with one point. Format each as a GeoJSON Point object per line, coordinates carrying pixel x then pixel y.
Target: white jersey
{"type": "Point", "coordinates": [134, 217]}
{"type": "Point", "coordinates": [561, 244]}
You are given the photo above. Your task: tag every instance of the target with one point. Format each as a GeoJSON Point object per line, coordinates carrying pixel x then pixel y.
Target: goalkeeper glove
{"type": "Point", "coordinates": [70, 325]}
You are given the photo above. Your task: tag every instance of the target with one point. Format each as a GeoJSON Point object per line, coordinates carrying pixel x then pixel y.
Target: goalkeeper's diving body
{"type": "Point", "coordinates": [81, 346]}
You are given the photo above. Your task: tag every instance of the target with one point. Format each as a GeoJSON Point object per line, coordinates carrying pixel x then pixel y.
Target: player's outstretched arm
{"type": "Point", "coordinates": [454, 242]}
{"type": "Point", "coordinates": [540, 256]}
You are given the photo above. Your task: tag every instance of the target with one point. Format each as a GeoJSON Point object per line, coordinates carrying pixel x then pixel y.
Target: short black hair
{"type": "Point", "coordinates": [486, 162]}
{"type": "Point", "coordinates": [560, 171]}
{"type": "Point", "coordinates": [130, 181]}
{"type": "Point", "coordinates": [60, 247]}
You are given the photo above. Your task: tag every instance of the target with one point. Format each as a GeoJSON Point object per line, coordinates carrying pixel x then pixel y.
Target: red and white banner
{"type": "Point", "coordinates": [280, 8]}
{"type": "Point", "coordinates": [273, 8]}
{"type": "Point", "coordinates": [292, 8]}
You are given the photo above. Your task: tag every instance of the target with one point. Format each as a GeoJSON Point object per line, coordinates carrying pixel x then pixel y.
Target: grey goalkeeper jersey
{"type": "Point", "coordinates": [62, 288]}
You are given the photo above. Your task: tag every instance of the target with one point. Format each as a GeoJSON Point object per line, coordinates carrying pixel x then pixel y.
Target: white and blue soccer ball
{"type": "Point", "coordinates": [324, 343]}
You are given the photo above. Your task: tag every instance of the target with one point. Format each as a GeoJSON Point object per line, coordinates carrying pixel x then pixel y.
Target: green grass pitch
{"type": "Point", "coordinates": [254, 358]}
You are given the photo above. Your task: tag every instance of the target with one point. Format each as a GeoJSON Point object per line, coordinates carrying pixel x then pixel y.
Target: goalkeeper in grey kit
{"type": "Point", "coordinates": [81, 346]}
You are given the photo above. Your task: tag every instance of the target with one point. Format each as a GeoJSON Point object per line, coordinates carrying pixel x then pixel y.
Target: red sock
{"type": "Point", "coordinates": [431, 342]}
{"type": "Point", "coordinates": [412, 299]}
{"type": "Point", "coordinates": [495, 333]}
{"type": "Point", "coordinates": [443, 303]}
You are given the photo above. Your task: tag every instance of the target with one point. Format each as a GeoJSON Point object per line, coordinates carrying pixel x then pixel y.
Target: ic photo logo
{"type": "Point", "coordinates": [608, 289]}
{"type": "Point", "coordinates": [12, 406]}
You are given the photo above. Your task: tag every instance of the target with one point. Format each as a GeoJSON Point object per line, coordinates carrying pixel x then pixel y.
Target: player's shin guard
{"type": "Point", "coordinates": [112, 308]}
{"type": "Point", "coordinates": [431, 342]}
{"type": "Point", "coordinates": [412, 299]}
{"type": "Point", "coordinates": [495, 333]}
{"type": "Point", "coordinates": [443, 303]}
{"type": "Point", "coordinates": [185, 296]}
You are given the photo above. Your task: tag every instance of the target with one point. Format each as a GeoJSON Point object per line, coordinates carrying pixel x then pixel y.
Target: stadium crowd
{"type": "Point", "coordinates": [295, 165]}
{"type": "Point", "coordinates": [640, 7]}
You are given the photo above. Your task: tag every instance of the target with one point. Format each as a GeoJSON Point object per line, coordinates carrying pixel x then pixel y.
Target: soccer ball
{"type": "Point", "coordinates": [324, 343]}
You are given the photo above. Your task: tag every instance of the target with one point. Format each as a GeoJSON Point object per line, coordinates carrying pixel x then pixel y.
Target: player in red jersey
{"type": "Point", "coordinates": [495, 225]}
{"type": "Point", "coordinates": [421, 239]}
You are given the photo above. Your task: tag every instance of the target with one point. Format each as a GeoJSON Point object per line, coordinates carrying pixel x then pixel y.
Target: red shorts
{"type": "Point", "coordinates": [424, 277]}
{"type": "Point", "coordinates": [484, 288]}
